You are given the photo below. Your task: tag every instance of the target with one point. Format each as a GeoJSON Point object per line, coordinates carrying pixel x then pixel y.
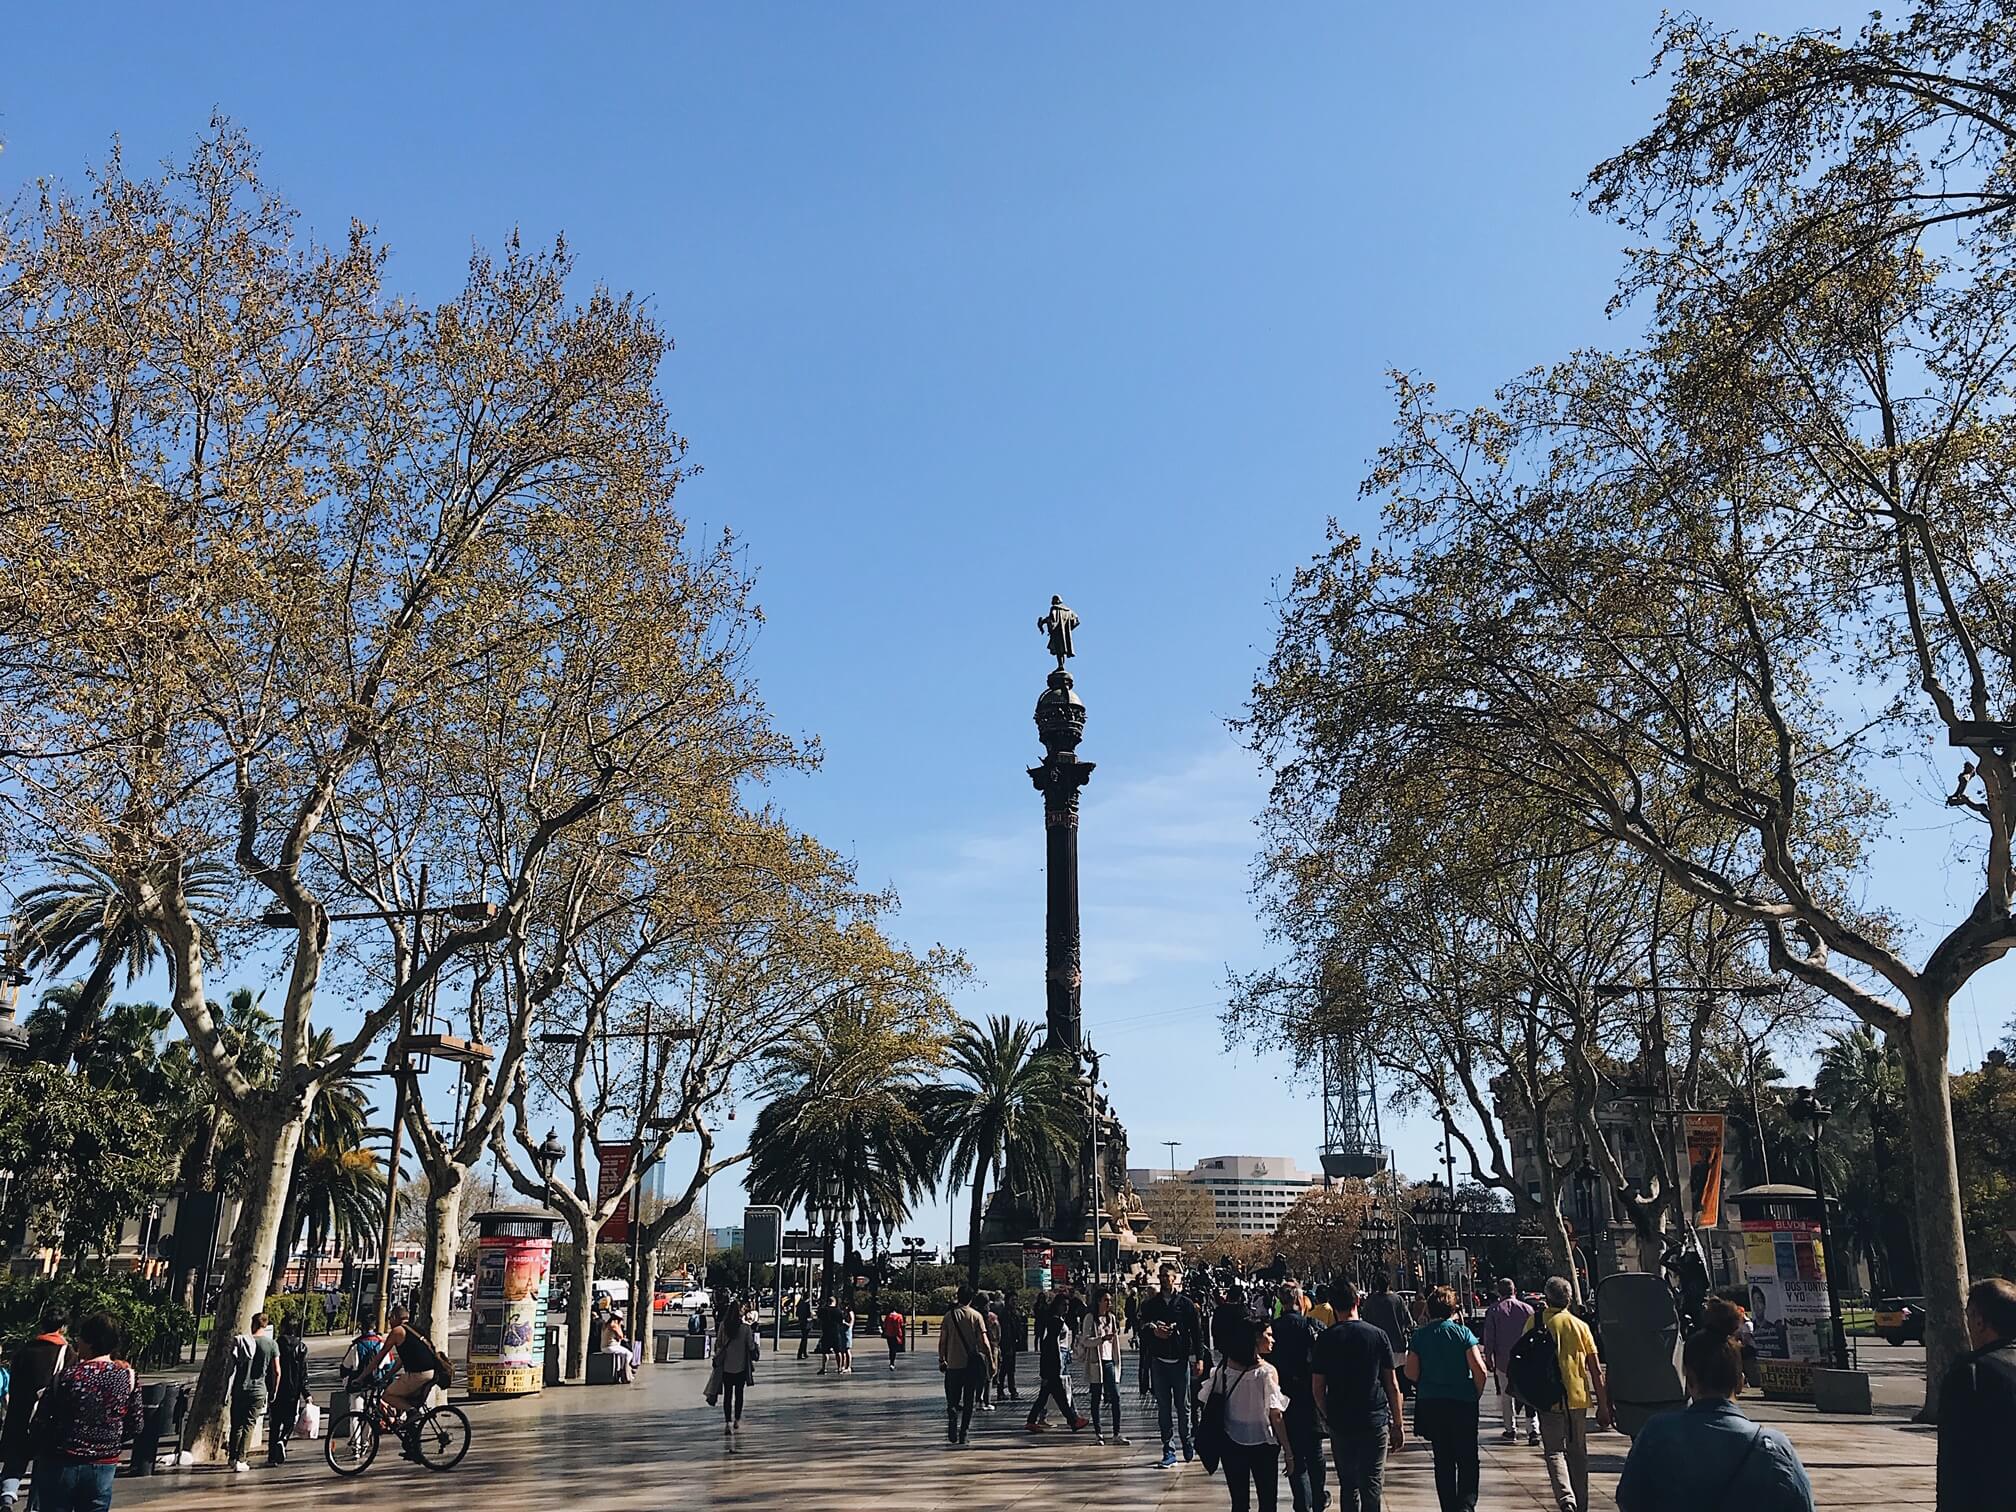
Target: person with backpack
{"type": "Point", "coordinates": [91, 1407]}
{"type": "Point", "coordinates": [31, 1371]}
{"type": "Point", "coordinates": [255, 1376]}
{"type": "Point", "coordinates": [1356, 1387]}
{"type": "Point", "coordinates": [1555, 1371]}
{"type": "Point", "coordinates": [1053, 1336]}
{"type": "Point", "coordinates": [1709, 1454]}
{"type": "Point", "coordinates": [292, 1393]}
{"type": "Point", "coordinates": [422, 1367]}
{"type": "Point", "coordinates": [1387, 1311]}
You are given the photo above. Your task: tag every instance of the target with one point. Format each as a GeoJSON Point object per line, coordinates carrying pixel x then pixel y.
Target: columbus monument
{"type": "Point", "coordinates": [1068, 1216]}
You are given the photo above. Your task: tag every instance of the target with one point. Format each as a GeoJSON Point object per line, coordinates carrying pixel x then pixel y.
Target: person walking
{"type": "Point", "coordinates": [1709, 1454]}
{"type": "Point", "coordinates": [1256, 1430]}
{"type": "Point", "coordinates": [892, 1333]}
{"type": "Point", "coordinates": [1387, 1311]}
{"type": "Point", "coordinates": [1320, 1309]}
{"type": "Point", "coordinates": [1977, 1406]}
{"type": "Point", "coordinates": [1101, 1345]}
{"type": "Point", "coordinates": [829, 1334]}
{"type": "Point", "coordinates": [292, 1392]}
{"type": "Point", "coordinates": [31, 1371]}
{"type": "Point", "coordinates": [1014, 1342]}
{"type": "Point", "coordinates": [843, 1339]}
{"type": "Point", "coordinates": [1447, 1367]}
{"type": "Point", "coordinates": [987, 1389]}
{"type": "Point", "coordinates": [805, 1325]}
{"type": "Point", "coordinates": [255, 1374]}
{"type": "Point", "coordinates": [1356, 1387]}
{"type": "Point", "coordinates": [963, 1356]}
{"type": "Point", "coordinates": [1505, 1322]}
{"type": "Point", "coordinates": [1564, 1429]}
{"type": "Point", "coordinates": [737, 1347]}
{"type": "Point", "coordinates": [1173, 1341]}
{"type": "Point", "coordinates": [1295, 1335]}
{"type": "Point", "coordinates": [89, 1408]}
{"type": "Point", "coordinates": [1053, 1340]}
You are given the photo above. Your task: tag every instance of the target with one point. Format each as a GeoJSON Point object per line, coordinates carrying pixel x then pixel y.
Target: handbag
{"type": "Point", "coordinates": [1211, 1435]}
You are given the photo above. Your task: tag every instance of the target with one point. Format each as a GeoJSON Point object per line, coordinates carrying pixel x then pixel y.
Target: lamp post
{"type": "Point", "coordinates": [1807, 1109]}
{"type": "Point", "coordinates": [913, 1246]}
{"type": "Point", "coordinates": [546, 1159]}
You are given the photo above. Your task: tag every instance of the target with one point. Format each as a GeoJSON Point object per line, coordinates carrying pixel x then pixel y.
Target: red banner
{"type": "Point", "coordinates": [1704, 1163]}
{"type": "Point", "coordinates": [612, 1169]}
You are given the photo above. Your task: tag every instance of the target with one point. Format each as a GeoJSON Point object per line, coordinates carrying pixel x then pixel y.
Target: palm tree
{"type": "Point", "coordinates": [89, 907]}
{"type": "Point", "coordinates": [1862, 1078]}
{"type": "Point", "coordinates": [844, 1134]}
{"type": "Point", "coordinates": [339, 1198]}
{"type": "Point", "coordinates": [1011, 1113]}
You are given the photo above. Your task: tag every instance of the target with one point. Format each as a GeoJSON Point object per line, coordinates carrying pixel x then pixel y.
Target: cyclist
{"type": "Point", "coordinates": [421, 1366]}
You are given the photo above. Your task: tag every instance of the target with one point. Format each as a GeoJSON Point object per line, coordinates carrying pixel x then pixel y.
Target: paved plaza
{"type": "Point", "coordinates": [877, 1439]}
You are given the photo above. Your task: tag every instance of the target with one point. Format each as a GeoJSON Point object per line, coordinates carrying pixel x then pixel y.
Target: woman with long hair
{"type": "Point", "coordinates": [1100, 1343]}
{"type": "Point", "coordinates": [1256, 1447]}
{"type": "Point", "coordinates": [1709, 1454]}
{"type": "Point", "coordinates": [736, 1350]}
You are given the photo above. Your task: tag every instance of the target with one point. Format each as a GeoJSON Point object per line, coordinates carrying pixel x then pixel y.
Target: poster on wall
{"type": "Point", "coordinates": [1704, 1166]}
{"type": "Point", "coordinates": [1785, 1271]}
{"type": "Point", "coordinates": [507, 1314]}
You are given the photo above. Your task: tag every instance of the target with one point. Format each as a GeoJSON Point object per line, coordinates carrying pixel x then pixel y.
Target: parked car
{"type": "Point", "coordinates": [1901, 1320]}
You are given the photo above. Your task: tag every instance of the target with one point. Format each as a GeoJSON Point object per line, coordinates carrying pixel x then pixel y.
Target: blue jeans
{"type": "Point", "coordinates": [1171, 1379]}
{"type": "Point", "coordinates": [1361, 1467]}
{"type": "Point", "coordinates": [81, 1487]}
{"type": "Point", "coordinates": [1305, 1484]}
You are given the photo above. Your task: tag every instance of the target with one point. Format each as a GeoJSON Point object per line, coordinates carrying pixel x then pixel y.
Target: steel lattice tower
{"type": "Point", "coordinates": [1352, 1145]}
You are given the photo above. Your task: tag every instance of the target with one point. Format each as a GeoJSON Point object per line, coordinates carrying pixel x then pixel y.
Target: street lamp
{"type": "Point", "coordinates": [1807, 1109]}
{"type": "Point", "coordinates": [546, 1159]}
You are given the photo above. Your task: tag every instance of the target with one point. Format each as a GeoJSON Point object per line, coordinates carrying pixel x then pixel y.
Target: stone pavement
{"type": "Point", "coordinates": [878, 1439]}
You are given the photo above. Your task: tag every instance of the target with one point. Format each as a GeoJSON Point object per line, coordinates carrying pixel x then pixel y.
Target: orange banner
{"type": "Point", "coordinates": [1705, 1133]}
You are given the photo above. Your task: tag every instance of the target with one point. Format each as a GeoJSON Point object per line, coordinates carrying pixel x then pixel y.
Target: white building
{"type": "Point", "coordinates": [1249, 1193]}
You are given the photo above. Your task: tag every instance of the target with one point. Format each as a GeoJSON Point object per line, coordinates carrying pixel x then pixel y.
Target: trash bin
{"type": "Point", "coordinates": [696, 1346]}
{"type": "Point", "coordinates": [662, 1344]}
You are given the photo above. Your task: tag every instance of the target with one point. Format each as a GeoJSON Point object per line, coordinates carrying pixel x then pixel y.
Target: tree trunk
{"type": "Point", "coordinates": [579, 1303]}
{"type": "Point", "coordinates": [443, 1249]}
{"type": "Point", "coordinates": [1935, 1174]}
{"type": "Point", "coordinates": [247, 1275]}
{"type": "Point", "coordinates": [973, 1222]}
{"type": "Point", "coordinates": [643, 1293]}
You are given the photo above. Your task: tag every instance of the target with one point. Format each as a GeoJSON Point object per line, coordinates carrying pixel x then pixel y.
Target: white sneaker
{"type": "Point", "coordinates": [240, 1466]}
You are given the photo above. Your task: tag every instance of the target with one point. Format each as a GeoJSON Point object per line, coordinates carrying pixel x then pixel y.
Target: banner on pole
{"type": "Point", "coordinates": [1705, 1134]}
{"type": "Point", "coordinates": [613, 1160]}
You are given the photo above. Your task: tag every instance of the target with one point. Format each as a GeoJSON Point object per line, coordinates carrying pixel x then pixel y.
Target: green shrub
{"type": "Point", "coordinates": [942, 1298]}
{"type": "Point", "coordinates": [320, 1312]}
{"type": "Point", "coordinates": [155, 1329]}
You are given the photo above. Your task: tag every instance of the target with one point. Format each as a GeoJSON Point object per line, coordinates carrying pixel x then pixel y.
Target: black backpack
{"type": "Point", "coordinates": [1534, 1370]}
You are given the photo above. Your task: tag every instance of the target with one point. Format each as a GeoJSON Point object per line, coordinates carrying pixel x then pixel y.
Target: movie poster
{"type": "Point", "coordinates": [1704, 1165]}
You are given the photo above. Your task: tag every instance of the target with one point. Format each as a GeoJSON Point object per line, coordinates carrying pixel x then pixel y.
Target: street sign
{"type": "Point", "coordinates": [762, 1234]}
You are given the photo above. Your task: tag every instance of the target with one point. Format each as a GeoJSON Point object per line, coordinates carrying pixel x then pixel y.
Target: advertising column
{"type": "Point", "coordinates": [507, 1307]}
{"type": "Point", "coordinates": [1785, 1272]}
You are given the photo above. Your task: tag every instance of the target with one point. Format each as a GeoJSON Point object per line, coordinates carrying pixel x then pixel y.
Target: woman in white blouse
{"type": "Point", "coordinates": [1256, 1441]}
{"type": "Point", "coordinates": [1099, 1343]}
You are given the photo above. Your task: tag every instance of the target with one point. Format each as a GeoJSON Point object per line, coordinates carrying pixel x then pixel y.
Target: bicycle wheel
{"type": "Point", "coordinates": [442, 1438]}
{"type": "Point", "coordinates": [352, 1442]}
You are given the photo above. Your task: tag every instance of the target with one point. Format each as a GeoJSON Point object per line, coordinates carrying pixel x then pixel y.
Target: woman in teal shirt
{"type": "Point", "coordinates": [1447, 1367]}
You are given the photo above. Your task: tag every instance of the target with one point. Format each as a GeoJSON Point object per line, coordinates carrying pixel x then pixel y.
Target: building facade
{"type": "Point", "coordinates": [1250, 1194]}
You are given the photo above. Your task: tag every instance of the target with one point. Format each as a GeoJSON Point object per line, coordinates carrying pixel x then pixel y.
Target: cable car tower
{"type": "Point", "coordinates": [1352, 1146]}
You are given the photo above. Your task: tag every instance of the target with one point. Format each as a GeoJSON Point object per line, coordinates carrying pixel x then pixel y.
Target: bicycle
{"type": "Point", "coordinates": [437, 1437]}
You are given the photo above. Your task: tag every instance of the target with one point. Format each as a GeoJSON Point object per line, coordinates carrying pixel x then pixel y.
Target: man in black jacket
{"type": "Point", "coordinates": [1172, 1338]}
{"type": "Point", "coordinates": [1295, 1334]}
{"type": "Point", "coordinates": [1977, 1407]}
{"type": "Point", "coordinates": [1387, 1311]}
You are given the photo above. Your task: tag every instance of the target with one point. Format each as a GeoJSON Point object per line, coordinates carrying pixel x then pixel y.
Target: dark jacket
{"type": "Point", "coordinates": [1386, 1311]}
{"type": "Point", "coordinates": [1977, 1420]}
{"type": "Point", "coordinates": [1185, 1339]}
{"type": "Point", "coordinates": [33, 1369]}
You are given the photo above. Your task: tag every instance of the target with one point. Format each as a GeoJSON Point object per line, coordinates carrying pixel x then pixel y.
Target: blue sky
{"type": "Point", "coordinates": [973, 305]}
